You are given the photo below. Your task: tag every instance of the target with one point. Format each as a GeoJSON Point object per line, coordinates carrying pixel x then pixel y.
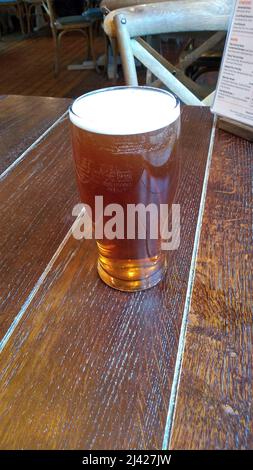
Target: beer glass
{"type": "Point", "coordinates": [125, 148]}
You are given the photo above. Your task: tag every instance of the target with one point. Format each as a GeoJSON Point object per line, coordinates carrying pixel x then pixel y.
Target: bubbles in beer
{"type": "Point", "coordinates": [125, 110]}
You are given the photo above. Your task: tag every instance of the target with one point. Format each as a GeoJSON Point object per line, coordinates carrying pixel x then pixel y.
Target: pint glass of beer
{"type": "Point", "coordinates": [125, 148]}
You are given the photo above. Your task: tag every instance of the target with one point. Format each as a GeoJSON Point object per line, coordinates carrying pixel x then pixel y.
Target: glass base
{"type": "Point", "coordinates": [131, 275]}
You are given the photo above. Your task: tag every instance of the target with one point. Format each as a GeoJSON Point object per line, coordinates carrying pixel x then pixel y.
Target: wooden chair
{"type": "Point", "coordinates": [31, 5]}
{"type": "Point", "coordinates": [18, 8]}
{"type": "Point", "coordinates": [130, 25]}
{"type": "Point", "coordinates": [67, 24]}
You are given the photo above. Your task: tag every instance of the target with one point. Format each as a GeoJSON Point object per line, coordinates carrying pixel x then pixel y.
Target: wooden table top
{"type": "Point", "coordinates": [85, 367]}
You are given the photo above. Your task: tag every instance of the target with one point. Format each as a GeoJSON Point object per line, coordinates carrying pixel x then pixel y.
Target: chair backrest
{"type": "Point", "coordinates": [174, 16]}
{"type": "Point", "coordinates": [115, 4]}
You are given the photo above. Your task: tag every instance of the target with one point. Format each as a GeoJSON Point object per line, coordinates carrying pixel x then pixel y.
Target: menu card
{"type": "Point", "coordinates": [234, 93]}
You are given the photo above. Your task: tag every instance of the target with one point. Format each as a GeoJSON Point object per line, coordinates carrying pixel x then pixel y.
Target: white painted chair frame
{"type": "Point", "coordinates": [129, 25]}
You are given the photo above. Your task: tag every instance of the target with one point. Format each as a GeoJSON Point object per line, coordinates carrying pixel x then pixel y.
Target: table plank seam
{"type": "Point", "coordinates": [38, 284]}
{"type": "Point", "coordinates": [32, 146]}
{"type": "Point", "coordinates": [112, 356]}
{"type": "Point", "coordinates": [181, 343]}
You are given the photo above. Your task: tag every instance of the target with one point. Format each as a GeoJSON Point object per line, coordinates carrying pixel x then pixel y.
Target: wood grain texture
{"type": "Point", "coordinates": [27, 66]}
{"type": "Point", "coordinates": [23, 120]}
{"type": "Point", "coordinates": [37, 198]}
{"type": "Point", "coordinates": [172, 17]}
{"type": "Point", "coordinates": [215, 401]}
{"type": "Point", "coordinates": [89, 367]}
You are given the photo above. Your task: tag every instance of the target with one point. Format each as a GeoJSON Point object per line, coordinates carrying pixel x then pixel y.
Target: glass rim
{"type": "Point", "coordinates": [121, 87]}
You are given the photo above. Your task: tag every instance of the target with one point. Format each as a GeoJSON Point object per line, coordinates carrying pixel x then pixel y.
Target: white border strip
{"type": "Point", "coordinates": [181, 343]}
{"type": "Point", "coordinates": [34, 144]}
{"type": "Point", "coordinates": [38, 284]}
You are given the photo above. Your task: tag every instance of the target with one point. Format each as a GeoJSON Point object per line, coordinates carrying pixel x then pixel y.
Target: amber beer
{"type": "Point", "coordinates": [125, 149]}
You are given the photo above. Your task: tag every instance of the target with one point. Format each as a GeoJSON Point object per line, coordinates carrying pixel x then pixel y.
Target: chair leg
{"type": "Point", "coordinates": [29, 19]}
{"type": "Point", "coordinates": [26, 18]}
{"type": "Point", "coordinates": [87, 38]}
{"type": "Point", "coordinates": [107, 52]}
{"type": "Point", "coordinates": [91, 47]}
{"type": "Point", "coordinates": [97, 27]}
{"type": "Point", "coordinates": [57, 54]}
{"type": "Point", "coordinates": [19, 11]}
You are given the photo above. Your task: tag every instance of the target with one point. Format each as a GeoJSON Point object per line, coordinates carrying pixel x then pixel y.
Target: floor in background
{"type": "Point", "coordinates": [27, 66]}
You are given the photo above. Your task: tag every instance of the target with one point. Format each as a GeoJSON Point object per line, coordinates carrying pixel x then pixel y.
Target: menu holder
{"type": "Point", "coordinates": [233, 102]}
{"type": "Point", "coordinates": [236, 128]}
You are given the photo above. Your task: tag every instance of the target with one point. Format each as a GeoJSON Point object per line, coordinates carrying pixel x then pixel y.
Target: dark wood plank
{"type": "Point", "coordinates": [23, 120]}
{"type": "Point", "coordinates": [89, 367]}
{"type": "Point", "coordinates": [27, 66]}
{"type": "Point", "coordinates": [215, 401]}
{"type": "Point", "coordinates": [36, 203]}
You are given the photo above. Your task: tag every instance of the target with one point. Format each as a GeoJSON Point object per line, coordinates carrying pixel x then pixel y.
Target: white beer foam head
{"type": "Point", "coordinates": [125, 110]}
